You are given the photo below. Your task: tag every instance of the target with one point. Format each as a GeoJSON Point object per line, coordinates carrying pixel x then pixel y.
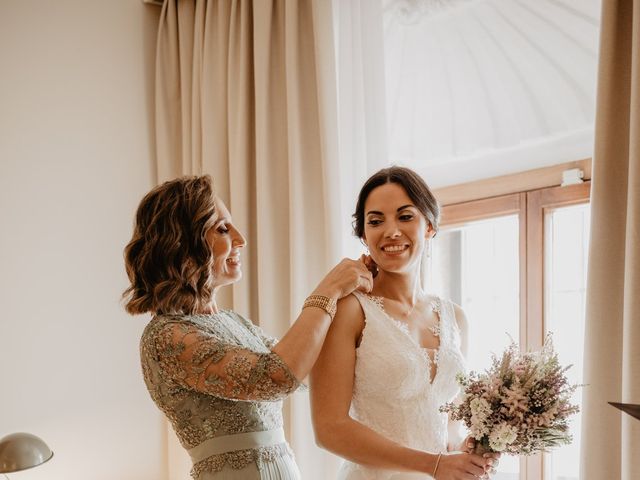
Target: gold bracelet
{"type": "Point", "coordinates": [328, 304]}
{"type": "Point", "coordinates": [437, 463]}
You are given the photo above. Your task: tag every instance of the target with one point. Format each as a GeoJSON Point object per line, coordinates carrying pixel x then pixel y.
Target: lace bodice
{"type": "Point", "coordinates": [215, 375]}
{"type": "Point", "coordinates": [393, 393]}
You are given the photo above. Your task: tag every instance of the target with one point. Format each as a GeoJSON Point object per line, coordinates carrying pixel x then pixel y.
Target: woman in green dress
{"type": "Point", "coordinates": [219, 378]}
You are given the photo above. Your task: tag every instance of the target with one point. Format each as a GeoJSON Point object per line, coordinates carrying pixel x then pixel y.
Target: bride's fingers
{"type": "Point", "coordinates": [491, 465]}
{"type": "Point", "coordinates": [478, 461]}
{"type": "Point", "coordinates": [492, 459]}
{"type": "Point", "coordinates": [475, 469]}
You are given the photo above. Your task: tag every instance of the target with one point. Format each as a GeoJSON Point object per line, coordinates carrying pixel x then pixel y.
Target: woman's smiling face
{"type": "Point", "coordinates": [225, 242]}
{"type": "Point", "coordinates": [395, 231]}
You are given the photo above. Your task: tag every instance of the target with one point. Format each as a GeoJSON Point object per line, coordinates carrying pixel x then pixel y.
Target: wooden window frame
{"type": "Point", "coordinates": [530, 195]}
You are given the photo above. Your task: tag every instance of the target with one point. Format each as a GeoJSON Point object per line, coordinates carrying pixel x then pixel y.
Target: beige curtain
{"type": "Point", "coordinates": [611, 440]}
{"type": "Point", "coordinates": [245, 91]}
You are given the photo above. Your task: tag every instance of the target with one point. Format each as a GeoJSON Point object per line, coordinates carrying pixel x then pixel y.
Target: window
{"type": "Point", "coordinates": [566, 251]}
{"type": "Point", "coordinates": [517, 264]}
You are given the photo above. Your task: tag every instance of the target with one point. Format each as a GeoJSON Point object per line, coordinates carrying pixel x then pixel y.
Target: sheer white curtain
{"type": "Point", "coordinates": [360, 77]}
{"type": "Point", "coordinates": [361, 102]}
{"type": "Point", "coordinates": [361, 134]}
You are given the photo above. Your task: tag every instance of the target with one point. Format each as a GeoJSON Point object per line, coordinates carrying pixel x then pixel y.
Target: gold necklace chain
{"type": "Point", "coordinates": [409, 311]}
{"type": "Point", "coordinates": [435, 329]}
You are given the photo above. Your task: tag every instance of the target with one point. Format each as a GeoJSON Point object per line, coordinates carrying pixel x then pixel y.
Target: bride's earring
{"type": "Point", "coordinates": [429, 248]}
{"type": "Point", "coordinates": [366, 247]}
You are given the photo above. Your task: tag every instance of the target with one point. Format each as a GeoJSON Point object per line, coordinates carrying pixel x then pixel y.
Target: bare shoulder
{"type": "Point", "coordinates": [350, 305]}
{"type": "Point", "coordinates": [349, 319]}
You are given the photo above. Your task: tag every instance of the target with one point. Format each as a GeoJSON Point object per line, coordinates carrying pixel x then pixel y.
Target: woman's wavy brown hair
{"type": "Point", "coordinates": [168, 260]}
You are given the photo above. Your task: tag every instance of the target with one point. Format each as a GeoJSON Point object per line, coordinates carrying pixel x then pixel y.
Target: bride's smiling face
{"type": "Point", "coordinates": [394, 229]}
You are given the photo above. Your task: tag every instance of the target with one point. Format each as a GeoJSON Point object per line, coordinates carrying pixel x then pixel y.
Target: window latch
{"type": "Point", "coordinates": [572, 177]}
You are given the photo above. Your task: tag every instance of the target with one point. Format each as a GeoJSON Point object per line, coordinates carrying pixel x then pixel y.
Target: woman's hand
{"type": "Point", "coordinates": [461, 466]}
{"type": "Point", "coordinates": [371, 265]}
{"type": "Point", "coordinates": [344, 278]}
{"type": "Point", "coordinates": [492, 458]}
{"type": "Point", "coordinates": [300, 346]}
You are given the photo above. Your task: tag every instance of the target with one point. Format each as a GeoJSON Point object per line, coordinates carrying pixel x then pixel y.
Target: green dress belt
{"type": "Point", "coordinates": [238, 441]}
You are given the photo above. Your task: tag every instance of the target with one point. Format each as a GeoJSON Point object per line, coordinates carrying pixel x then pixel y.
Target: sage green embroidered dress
{"type": "Point", "coordinates": [221, 387]}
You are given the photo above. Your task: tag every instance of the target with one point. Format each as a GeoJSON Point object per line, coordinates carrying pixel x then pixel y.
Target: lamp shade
{"type": "Point", "coordinates": [20, 451]}
{"type": "Point", "coordinates": [630, 408]}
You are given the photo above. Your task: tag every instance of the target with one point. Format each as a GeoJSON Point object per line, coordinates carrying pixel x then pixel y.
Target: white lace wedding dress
{"type": "Point", "coordinates": [393, 392]}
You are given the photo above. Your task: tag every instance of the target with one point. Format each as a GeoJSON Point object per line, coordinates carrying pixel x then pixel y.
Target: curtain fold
{"type": "Point", "coordinates": [611, 440]}
{"type": "Point", "coordinates": [361, 102]}
{"type": "Point", "coordinates": [245, 91]}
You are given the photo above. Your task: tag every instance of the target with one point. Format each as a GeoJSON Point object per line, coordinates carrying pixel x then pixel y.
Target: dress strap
{"type": "Point", "coordinates": [368, 301]}
{"type": "Point", "coordinates": [450, 333]}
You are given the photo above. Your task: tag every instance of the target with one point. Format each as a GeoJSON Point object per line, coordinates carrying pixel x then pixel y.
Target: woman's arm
{"type": "Point", "coordinates": [197, 360]}
{"type": "Point", "coordinates": [331, 392]}
{"type": "Point", "coordinates": [300, 346]}
{"type": "Point", "coordinates": [200, 361]}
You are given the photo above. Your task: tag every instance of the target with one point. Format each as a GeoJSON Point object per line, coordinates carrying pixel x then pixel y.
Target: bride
{"type": "Point", "coordinates": [390, 360]}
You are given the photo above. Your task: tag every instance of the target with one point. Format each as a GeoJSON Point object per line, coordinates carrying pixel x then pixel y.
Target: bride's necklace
{"type": "Point", "coordinates": [406, 311]}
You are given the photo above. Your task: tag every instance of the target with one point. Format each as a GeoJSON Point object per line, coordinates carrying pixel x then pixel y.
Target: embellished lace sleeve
{"type": "Point", "coordinates": [268, 340]}
{"type": "Point", "coordinates": [198, 360]}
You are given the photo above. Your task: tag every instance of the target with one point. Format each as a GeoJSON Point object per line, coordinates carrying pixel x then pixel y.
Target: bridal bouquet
{"type": "Point", "coordinates": [520, 405]}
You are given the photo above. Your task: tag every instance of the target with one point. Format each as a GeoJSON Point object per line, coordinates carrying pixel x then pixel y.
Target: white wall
{"type": "Point", "coordinates": [76, 84]}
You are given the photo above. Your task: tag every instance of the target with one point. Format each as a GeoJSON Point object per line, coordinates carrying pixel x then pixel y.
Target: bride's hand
{"type": "Point", "coordinates": [461, 466]}
{"type": "Point", "coordinates": [469, 444]}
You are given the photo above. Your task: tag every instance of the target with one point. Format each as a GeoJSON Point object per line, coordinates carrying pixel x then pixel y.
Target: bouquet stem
{"type": "Point", "coordinates": [482, 447]}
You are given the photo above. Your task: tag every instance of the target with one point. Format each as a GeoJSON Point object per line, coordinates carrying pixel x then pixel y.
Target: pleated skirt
{"type": "Point", "coordinates": [282, 468]}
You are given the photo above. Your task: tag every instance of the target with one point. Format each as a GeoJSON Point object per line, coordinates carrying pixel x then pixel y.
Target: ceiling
{"type": "Point", "coordinates": [479, 88]}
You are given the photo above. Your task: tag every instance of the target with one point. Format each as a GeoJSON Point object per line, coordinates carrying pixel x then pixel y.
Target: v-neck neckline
{"type": "Point", "coordinates": [378, 301]}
